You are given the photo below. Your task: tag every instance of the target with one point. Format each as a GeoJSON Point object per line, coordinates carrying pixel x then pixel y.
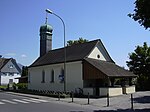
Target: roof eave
{"type": "Point", "coordinates": [54, 63]}
{"type": "Point", "coordinates": [130, 76]}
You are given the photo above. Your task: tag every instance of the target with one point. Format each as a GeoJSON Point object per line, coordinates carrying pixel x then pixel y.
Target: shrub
{"type": "Point", "coordinates": [22, 86]}
{"type": "Point", "coordinates": [3, 87]}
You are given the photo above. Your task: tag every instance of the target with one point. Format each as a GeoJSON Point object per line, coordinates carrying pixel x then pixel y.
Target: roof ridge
{"type": "Point", "coordinates": [73, 53]}
{"type": "Point", "coordinates": [98, 40]}
{"type": "Point", "coordinates": [75, 45]}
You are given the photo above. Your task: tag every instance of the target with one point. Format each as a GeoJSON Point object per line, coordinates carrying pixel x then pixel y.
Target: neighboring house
{"type": "Point", "coordinates": [24, 75]}
{"type": "Point", "coordinates": [9, 70]}
{"type": "Point", "coordinates": [22, 79]}
{"type": "Point", "coordinates": [89, 68]}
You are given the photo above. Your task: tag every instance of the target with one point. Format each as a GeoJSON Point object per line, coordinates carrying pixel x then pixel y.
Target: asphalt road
{"type": "Point", "coordinates": [18, 102]}
{"type": "Point", "coordinates": [14, 103]}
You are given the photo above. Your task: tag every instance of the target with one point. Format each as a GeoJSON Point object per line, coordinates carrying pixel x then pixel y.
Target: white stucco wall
{"type": "Point", "coordinates": [115, 91]}
{"type": "Point", "coordinates": [130, 89]}
{"type": "Point", "coordinates": [103, 91]}
{"type": "Point", "coordinates": [99, 50]}
{"type": "Point", "coordinates": [6, 79]}
{"type": "Point", "coordinates": [112, 91]}
{"type": "Point", "coordinates": [73, 77]}
{"type": "Point", "coordinates": [9, 72]}
{"type": "Point", "coordinates": [36, 78]}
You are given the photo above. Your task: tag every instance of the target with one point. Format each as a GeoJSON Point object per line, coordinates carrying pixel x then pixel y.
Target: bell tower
{"type": "Point", "coordinates": [45, 38]}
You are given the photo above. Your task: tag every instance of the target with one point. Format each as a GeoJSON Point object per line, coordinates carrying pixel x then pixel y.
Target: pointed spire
{"type": "Point", "coordinates": [46, 18]}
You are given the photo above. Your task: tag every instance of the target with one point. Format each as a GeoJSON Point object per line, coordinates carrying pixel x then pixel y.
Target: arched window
{"type": "Point", "coordinates": [61, 76]}
{"type": "Point", "coordinates": [28, 77]}
{"type": "Point", "coordinates": [43, 76]}
{"type": "Point", "coordinates": [52, 76]}
{"type": "Point", "coordinates": [62, 71]}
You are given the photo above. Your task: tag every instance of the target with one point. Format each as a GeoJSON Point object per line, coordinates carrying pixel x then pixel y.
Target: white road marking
{"type": "Point", "coordinates": [16, 101]}
{"type": "Point", "coordinates": [1, 103]}
{"type": "Point", "coordinates": [20, 101]}
{"type": "Point", "coordinates": [39, 100]}
{"type": "Point", "coordinates": [30, 100]}
{"type": "Point", "coordinates": [8, 101]}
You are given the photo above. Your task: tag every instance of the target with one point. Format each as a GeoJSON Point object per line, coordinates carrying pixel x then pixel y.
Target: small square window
{"type": "Point", "coordinates": [11, 74]}
{"type": "Point", "coordinates": [10, 66]}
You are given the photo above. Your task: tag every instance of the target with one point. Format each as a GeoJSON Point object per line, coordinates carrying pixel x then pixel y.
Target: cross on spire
{"type": "Point", "coordinates": [46, 18]}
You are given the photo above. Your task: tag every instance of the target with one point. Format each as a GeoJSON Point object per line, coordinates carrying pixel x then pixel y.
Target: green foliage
{"type": "Point", "coordinates": [3, 86]}
{"type": "Point", "coordinates": [21, 86]}
{"type": "Point", "coordinates": [24, 71]}
{"type": "Point", "coordinates": [139, 64]}
{"type": "Point", "coordinates": [73, 42]}
{"type": "Point", "coordinates": [142, 13]}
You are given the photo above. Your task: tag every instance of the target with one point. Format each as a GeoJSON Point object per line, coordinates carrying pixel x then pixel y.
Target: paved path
{"type": "Point", "coordinates": [117, 104]}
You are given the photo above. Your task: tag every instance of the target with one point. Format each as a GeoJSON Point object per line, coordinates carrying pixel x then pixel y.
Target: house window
{"type": "Point", "coordinates": [3, 74]}
{"type": "Point", "coordinates": [10, 81]}
{"type": "Point", "coordinates": [10, 66]}
{"type": "Point", "coordinates": [61, 76]}
{"type": "Point", "coordinates": [43, 76]}
{"type": "Point", "coordinates": [52, 76]}
{"type": "Point", "coordinates": [11, 74]}
{"type": "Point", "coordinates": [98, 56]}
{"type": "Point", "coordinates": [29, 77]}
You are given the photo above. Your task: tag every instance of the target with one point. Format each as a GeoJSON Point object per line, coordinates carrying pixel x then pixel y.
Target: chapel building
{"type": "Point", "coordinates": [89, 69]}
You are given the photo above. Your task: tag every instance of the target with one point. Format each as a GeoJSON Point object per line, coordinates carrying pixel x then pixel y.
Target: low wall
{"type": "Point", "coordinates": [112, 91]}
{"type": "Point", "coordinates": [115, 91]}
{"type": "Point", "coordinates": [103, 91]}
{"type": "Point", "coordinates": [130, 89]}
{"type": "Point", "coordinates": [88, 90]}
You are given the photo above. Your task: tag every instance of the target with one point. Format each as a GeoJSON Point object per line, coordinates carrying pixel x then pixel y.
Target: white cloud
{"type": "Point", "coordinates": [10, 54]}
{"type": "Point", "coordinates": [23, 56]}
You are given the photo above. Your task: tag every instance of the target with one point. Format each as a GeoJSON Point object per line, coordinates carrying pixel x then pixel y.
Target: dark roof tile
{"type": "Point", "coordinates": [110, 69]}
{"type": "Point", "coordinates": [73, 53]}
{"type": "Point", "coordinates": [3, 61]}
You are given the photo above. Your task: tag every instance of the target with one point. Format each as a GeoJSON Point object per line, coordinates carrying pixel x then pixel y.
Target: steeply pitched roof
{"type": "Point", "coordinates": [73, 53]}
{"type": "Point", "coordinates": [3, 61]}
{"type": "Point", "coordinates": [16, 65]}
{"type": "Point", "coordinates": [109, 69]}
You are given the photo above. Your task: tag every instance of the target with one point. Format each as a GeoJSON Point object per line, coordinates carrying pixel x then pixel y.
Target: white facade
{"type": "Point", "coordinates": [99, 53]}
{"type": "Point", "coordinates": [9, 78]}
{"type": "Point", "coordinates": [73, 77]}
{"type": "Point", "coordinates": [74, 73]}
{"type": "Point", "coordinates": [48, 77]}
{"type": "Point", "coordinates": [8, 73]}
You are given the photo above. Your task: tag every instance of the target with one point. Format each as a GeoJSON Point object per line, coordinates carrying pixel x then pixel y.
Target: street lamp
{"type": "Point", "coordinates": [51, 12]}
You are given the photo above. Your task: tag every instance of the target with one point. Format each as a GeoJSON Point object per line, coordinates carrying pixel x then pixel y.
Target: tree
{"type": "Point", "coordinates": [139, 64]}
{"type": "Point", "coordinates": [73, 42]}
{"type": "Point", "coordinates": [24, 71]}
{"type": "Point", "coordinates": [142, 13]}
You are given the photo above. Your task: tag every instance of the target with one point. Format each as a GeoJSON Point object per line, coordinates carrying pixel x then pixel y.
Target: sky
{"type": "Point", "coordinates": [107, 20]}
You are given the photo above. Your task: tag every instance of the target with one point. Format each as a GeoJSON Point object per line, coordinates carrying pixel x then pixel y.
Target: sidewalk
{"type": "Point", "coordinates": [120, 103]}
